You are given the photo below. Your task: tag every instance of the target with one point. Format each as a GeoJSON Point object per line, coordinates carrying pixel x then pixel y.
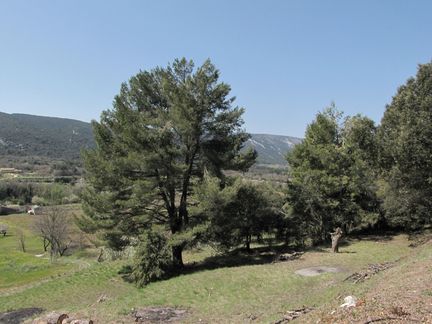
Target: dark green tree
{"type": "Point", "coordinates": [405, 138]}
{"type": "Point", "coordinates": [331, 179]}
{"type": "Point", "coordinates": [238, 212]}
{"type": "Point", "coordinates": [166, 127]}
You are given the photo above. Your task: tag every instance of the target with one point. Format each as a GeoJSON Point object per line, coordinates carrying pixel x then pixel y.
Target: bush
{"type": "Point", "coordinates": [153, 258]}
{"type": "Point", "coordinates": [36, 200]}
{"type": "Point", "coordinates": [71, 199]}
{"type": "Point", "coordinates": [16, 192]}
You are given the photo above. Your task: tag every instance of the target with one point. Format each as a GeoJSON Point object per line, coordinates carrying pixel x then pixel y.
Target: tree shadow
{"type": "Point", "coordinates": [236, 258]}
{"type": "Point", "coordinates": [257, 256]}
{"type": "Point", "coordinates": [375, 237]}
{"type": "Point", "coordinates": [19, 315]}
{"type": "Point", "coordinates": [232, 259]}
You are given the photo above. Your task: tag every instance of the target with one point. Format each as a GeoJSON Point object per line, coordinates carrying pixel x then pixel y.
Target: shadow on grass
{"type": "Point", "coordinates": [18, 316]}
{"type": "Point", "coordinates": [375, 238]}
{"type": "Point", "coordinates": [237, 258]}
{"type": "Point", "coordinates": [257, 256]}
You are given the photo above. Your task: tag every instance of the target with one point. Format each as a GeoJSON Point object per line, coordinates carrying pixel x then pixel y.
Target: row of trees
{"type": "Point", "coordinates": [156, 177]}
{"type": "Point", "coordinates": [349, 172]}
{"type": "Point", "coordinates": [15, 192]}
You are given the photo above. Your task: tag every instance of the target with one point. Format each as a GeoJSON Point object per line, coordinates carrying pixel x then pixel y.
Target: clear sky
{"type": "Point", "coordinates": [285, 60]}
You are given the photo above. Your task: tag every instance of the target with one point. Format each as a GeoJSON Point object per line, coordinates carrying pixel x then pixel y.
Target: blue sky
{"type": "Point", "coordinates": [285, 60]}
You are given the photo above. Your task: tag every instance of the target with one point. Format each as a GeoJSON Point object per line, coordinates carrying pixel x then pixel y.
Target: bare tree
{"type": "Point", "coordinates": [54, 228]}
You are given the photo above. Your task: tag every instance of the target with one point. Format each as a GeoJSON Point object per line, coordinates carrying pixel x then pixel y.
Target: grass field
{"type": "Point", "coordinates": [252, 290]}
{"type": "Point", "coordinates": [18, 268]}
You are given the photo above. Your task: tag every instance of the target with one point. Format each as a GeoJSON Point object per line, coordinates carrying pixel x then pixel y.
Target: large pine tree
{"type": "Point", "coordinates": [331, 178]}
{"type": "Point", "coordinates": [167, 126]}
{"type": "Point", "coordinates": [405, 138]}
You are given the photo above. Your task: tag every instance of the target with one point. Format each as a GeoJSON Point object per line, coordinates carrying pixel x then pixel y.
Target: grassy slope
{"type": "Point", "coordinates": [237, 294]}
{"type": "Point", "coordinates": [18, 268]}
{"type": "Point", "coordinates": [402, 294]}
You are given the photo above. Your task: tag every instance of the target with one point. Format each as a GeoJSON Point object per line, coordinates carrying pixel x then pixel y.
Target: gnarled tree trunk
{"type": "Point", "coordinates": [335, 237]}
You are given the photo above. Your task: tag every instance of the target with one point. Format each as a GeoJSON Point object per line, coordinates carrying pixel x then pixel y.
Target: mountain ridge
{"type": "Point", "coordinates": [57, 137]}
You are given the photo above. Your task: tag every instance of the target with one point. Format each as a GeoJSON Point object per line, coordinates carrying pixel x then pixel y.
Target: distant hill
{"type": "Point", "coordinates": [26, 135]}
{"type": "Point", "coordinates": [272, 148]}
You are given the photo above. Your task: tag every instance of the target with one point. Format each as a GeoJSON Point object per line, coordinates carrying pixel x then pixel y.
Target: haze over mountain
{"type": "Point", "coordinates": [24, 135]}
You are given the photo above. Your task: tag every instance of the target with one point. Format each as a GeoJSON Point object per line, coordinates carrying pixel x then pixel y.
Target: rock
{"type": "Point", "coordinates": [51, 318]}
{"type": "Point", "coordinates": [350, 301]}
{"type": "Point", "coordinates": [59, 318]}
{"type": "Point", "coordinates": [158, 314]}
{"type": "Point", "coordinates": [315, 271]}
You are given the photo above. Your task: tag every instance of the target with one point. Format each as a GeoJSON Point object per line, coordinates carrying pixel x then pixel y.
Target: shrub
{"type": "Point", "coordinates": [152, 258]}
{"type": "Point", "coordinates": [36, 200]}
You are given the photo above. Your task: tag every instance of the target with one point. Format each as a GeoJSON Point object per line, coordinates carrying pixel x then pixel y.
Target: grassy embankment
{"type": "Point", "coordinates": [254, 289]}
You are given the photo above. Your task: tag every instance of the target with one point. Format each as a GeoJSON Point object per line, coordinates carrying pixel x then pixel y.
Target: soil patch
{"type": "Point", "coordinates": [316, 271]}
{"type": "Point", "coordinates": [19, 315]}
{"type": "Point", "coordinates": [158, 314]}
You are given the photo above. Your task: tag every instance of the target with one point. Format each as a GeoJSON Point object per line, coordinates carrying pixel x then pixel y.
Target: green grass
{"type": "Point", "coordinates": [19, 268]}
{"type": "Point", "coordinates": [223, 294]}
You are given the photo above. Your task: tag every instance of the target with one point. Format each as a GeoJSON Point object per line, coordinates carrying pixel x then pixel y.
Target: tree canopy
{"type": "Point", "coordinates": [405, 141]}
{"type": "Point", "coordinates": [166, 127]}
{"type": "Point", "coordinates": [331, 177]}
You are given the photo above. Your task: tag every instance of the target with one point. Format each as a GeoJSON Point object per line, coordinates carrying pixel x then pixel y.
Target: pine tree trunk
{"type": "Point", "coordinates": [177, 256]}
{"type": "Point", "coordinates": [176, 227]}
{"type": "Point", "coordinates": [248, 242]}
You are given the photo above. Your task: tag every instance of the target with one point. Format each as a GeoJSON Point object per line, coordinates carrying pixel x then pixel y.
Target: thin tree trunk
{"type": "Point", "coordinates": [335, 237]}
{"type": "Point", "coordinates": [176, 227]}
{"type": "Point", "coordinates": [46, 244]}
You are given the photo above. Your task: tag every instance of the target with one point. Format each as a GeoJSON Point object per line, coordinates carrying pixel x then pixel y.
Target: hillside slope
{"type": "Point", "coordinates": [27, 135]}
{"type": "Point", "coordinates": [272, 148]}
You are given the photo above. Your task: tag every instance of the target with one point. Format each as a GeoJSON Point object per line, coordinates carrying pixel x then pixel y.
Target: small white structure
{"type": "Point", "coordinates": [32, 210]}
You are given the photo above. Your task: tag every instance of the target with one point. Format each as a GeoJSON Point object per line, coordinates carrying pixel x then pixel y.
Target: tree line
{"type": "Point", "coordinates": [156, 178]}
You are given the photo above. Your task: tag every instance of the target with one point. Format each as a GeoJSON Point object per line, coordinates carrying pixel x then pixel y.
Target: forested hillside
{"type": "Point", "coordinates": [29, 135]}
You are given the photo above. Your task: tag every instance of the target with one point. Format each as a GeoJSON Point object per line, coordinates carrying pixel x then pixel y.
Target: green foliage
{"type": "Point", "coordinates": [331, 180]}
{"type": "Point", "coordinates": [405, 139]}
{"type": "Point", "coordinates": [238, 212]}
{"type": "Point", "coordinates": [152, 259]}
{"type": "Point", "coordinates": [16, 192]}
{"type": "Point", "coordinates": [166, 127]}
